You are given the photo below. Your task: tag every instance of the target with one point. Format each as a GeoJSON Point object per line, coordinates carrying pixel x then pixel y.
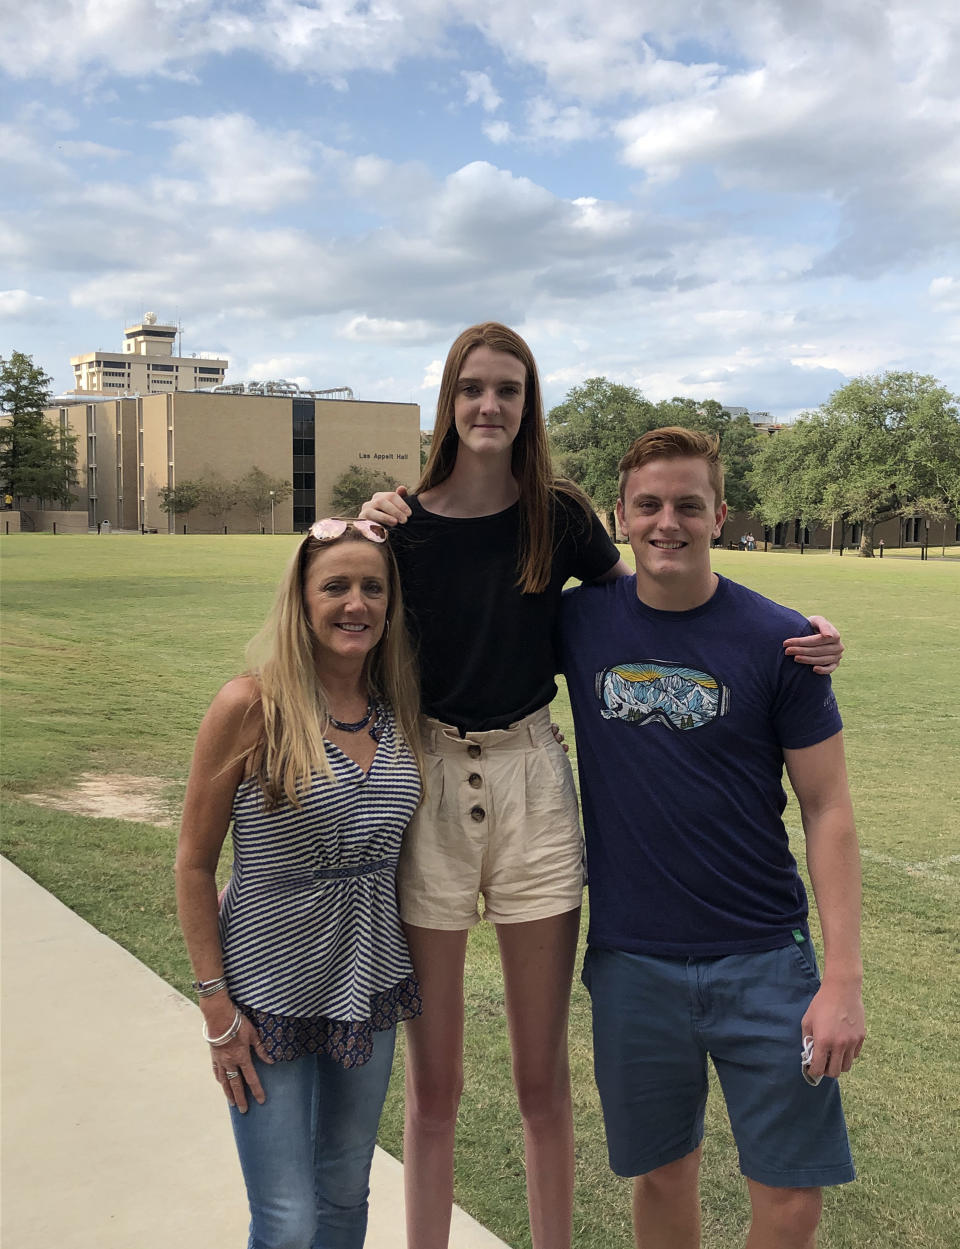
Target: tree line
{"type": "Point", "coordinates": [881, 447]}
{"type": "Point", "coordinates": [215, 495]}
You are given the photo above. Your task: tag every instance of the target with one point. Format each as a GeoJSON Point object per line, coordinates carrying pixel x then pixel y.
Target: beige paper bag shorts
{"type": "Point", "coordinates": [499, 819]}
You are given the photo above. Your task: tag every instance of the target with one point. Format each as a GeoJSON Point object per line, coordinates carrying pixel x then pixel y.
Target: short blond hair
{"type": "Point", "coordinates": [673, 442]}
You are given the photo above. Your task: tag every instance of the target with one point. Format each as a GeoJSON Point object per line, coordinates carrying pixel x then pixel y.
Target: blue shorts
{"type": "Point", "coordinates": [655, 1022]}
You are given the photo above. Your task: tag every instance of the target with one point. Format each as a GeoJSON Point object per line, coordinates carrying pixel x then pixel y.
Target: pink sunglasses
{"type": "Point", "coordinates": [332, 527]}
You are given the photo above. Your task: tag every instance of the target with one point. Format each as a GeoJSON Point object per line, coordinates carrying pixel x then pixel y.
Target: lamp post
{"type": "Point", "coordinates": [272, 527]}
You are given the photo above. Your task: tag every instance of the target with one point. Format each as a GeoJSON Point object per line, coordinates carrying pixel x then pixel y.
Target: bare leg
{"type": "Point", "coordinates": [537, 960]}
{"type": "Point", "coordinates": [666, 1205]}
{"type": "Point", "coordinates": [434, 1082]}
{"type": "Point", "coordinates": [784, 1218]}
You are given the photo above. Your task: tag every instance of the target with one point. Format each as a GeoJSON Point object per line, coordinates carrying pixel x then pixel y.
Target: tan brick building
{"type": "Point", "coordinates": [146, 365]}
{"type": "Point", "coordinates": [131, 447]}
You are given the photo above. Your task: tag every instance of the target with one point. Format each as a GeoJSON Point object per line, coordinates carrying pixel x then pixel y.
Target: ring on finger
{"type": "Point", "coordinates": [232, 1075]}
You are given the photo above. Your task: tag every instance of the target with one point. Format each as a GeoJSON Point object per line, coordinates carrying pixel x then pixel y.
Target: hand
{"type": "Point", "coordinates": [821, 649]}
{"type": "Point", "coordinates": [235, 1056]}
{"type": "Point", "coordinates": [558, 736]}
{"type": "Point", "coordinates": [835, 1021]}
{"type": "Point", "coordinates": [387, 507]}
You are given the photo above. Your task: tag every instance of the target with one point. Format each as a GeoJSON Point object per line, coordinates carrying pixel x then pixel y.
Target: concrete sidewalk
{"type": "Point", "coordinates": [115, 1135]}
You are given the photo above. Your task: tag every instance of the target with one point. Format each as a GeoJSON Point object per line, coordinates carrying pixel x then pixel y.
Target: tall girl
{"type": "Point", "coordinates": [484, 548]}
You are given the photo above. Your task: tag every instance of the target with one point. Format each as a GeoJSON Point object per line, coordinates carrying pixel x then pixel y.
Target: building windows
{"type": "Point", "coordinates": [201, 369]}
{"type": "Point", "coordinates": [304, 463]}
{"type": "Point", "coordinates": [161, 368]}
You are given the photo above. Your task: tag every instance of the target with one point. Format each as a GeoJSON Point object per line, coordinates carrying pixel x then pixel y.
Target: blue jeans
{"type": "Point", "coordinates": [306, 1152]}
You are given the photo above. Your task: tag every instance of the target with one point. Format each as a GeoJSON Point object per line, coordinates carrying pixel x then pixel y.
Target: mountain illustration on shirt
{"type": "Point", "coordinates": [652, 692]}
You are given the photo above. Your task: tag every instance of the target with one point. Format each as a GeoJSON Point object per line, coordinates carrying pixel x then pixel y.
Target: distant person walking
{"type": "Point", "coordinates": [304, 972]}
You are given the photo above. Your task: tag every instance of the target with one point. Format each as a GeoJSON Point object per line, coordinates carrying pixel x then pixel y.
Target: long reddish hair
{"type": "Point", "coordinates": [530, 464]}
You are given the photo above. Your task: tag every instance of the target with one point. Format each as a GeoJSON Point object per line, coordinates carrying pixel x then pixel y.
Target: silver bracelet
{"type": "Point", "coordinates": [230, 1033]}
{"type": "Point", "coordinates": [207, 988]}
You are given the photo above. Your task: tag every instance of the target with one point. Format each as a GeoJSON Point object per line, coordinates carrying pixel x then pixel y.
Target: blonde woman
{"type": "Point", "coordinates": [304, 972]}
{"type": "Point", "coordinates": [484, 547]}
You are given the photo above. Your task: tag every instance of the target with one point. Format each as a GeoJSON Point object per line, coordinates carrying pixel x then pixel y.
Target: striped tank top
{"type": "Point", "coordinates": [312, 945]}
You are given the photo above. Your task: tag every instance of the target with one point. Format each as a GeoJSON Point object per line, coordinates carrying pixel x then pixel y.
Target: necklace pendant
{"type": "Point", "coordinates": [357, 725]}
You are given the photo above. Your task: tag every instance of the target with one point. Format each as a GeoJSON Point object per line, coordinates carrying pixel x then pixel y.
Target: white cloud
{"type": "Point", "coordinates": [50, 117]}
{"type": "Point", "coordinates": [480, 90]}
{"type": "Point", "coordinates": [548, 121]}
{"type": "Point", "coordinates": [237, 163]}
{"type": "Point", "coordinates": [85, 149]}
{"type": "Point", "coordinates": [498, 131]}
{"type": "Point", "coordinates": [433, 375]}
{"type": "Point", "coordinates": [30, 162]}
{"type": "Point", "coordinates": [945, 293]}
{"type": "Point", "coordinates": [381, 329]}
{"type": "Point", "coordinates": [21, 305]}
{"type": "Point", "coordinates": [393, 188]}
{"type": "Point", "coordinates": [796, 146]}
{"type": "Point", "coordinates": [133, 38]}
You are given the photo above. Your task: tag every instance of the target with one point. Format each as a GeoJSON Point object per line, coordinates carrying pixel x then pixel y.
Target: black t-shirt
{"type": "Point", "coordinates": [487, 651]}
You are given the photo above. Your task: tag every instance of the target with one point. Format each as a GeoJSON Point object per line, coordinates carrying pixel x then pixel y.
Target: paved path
{"type": "Point", "coordinates": [114, 1134]}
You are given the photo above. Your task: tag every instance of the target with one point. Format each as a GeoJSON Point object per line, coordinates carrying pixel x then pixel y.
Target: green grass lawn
{"type": "Point", "coordinates": [114, 646]}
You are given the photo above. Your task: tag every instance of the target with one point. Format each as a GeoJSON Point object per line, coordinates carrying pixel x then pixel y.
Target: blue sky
{"type": "Point", "coordinates": [748, 200]}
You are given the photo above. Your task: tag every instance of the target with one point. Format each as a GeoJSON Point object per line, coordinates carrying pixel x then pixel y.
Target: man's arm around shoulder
{"type": "Point", "coordinates": [835, 1017]}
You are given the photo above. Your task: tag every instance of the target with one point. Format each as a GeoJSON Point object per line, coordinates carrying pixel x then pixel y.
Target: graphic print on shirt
{"type": "Point", "coordinates": [652, 692]}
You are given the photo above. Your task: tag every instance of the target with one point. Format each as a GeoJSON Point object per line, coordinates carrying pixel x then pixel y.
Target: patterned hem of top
{"type": "Point", "coordinates": [346, 1041]}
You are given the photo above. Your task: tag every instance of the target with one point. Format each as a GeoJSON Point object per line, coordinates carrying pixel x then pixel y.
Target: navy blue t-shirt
{"type": "Point", "coordinates": [681, 721]}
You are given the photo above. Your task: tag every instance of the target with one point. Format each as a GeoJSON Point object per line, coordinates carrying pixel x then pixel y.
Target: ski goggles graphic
{"type": "Point", "coordinates": [660, 693]}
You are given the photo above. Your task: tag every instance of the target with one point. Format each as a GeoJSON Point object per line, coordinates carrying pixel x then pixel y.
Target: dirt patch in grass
{"type": "Point", "coordinates": [119, 796]}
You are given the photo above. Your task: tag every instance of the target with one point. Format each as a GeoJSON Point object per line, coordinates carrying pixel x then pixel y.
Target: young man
{"type": "Point", "coordinates": [686, 708]}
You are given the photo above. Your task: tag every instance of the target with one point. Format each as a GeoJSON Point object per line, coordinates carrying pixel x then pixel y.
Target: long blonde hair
{"type": "Point", "coordinates": [531, 451]}
{"type": "Point", "coordinates": [296, 711]}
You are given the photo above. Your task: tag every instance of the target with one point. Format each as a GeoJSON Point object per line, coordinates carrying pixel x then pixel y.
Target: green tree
{"type": "Point", "coordinates": [257, 490]}
{"type": "Point", "coordinates": [352, 489]}
{"type": "Point", "coordinates": [217, 495]}
{"type": "Point", "coordinates": [590, 431]}
{"type": "Point", "coordinates": [739, 442]}
{"type": "Point", "coordinates": [880, 447]}
{"type": "Point", "coordinates": [38, 459]}
{"type": "Point", "coordinates": [180, 499]}
{"type": "Point", "coordinates": [597, 422]}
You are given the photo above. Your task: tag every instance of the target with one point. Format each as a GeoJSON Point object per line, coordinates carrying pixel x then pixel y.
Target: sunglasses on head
{"type": "Point", "coordinates": [333, 527]}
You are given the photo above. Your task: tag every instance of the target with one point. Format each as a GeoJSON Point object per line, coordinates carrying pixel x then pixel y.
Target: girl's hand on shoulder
{"type": "Point", "coordinates": [233, 1067]}
{"type": "Point", "coordinates": [821, 650]}
{"type": "Point", "coordinates": [387, 507]}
